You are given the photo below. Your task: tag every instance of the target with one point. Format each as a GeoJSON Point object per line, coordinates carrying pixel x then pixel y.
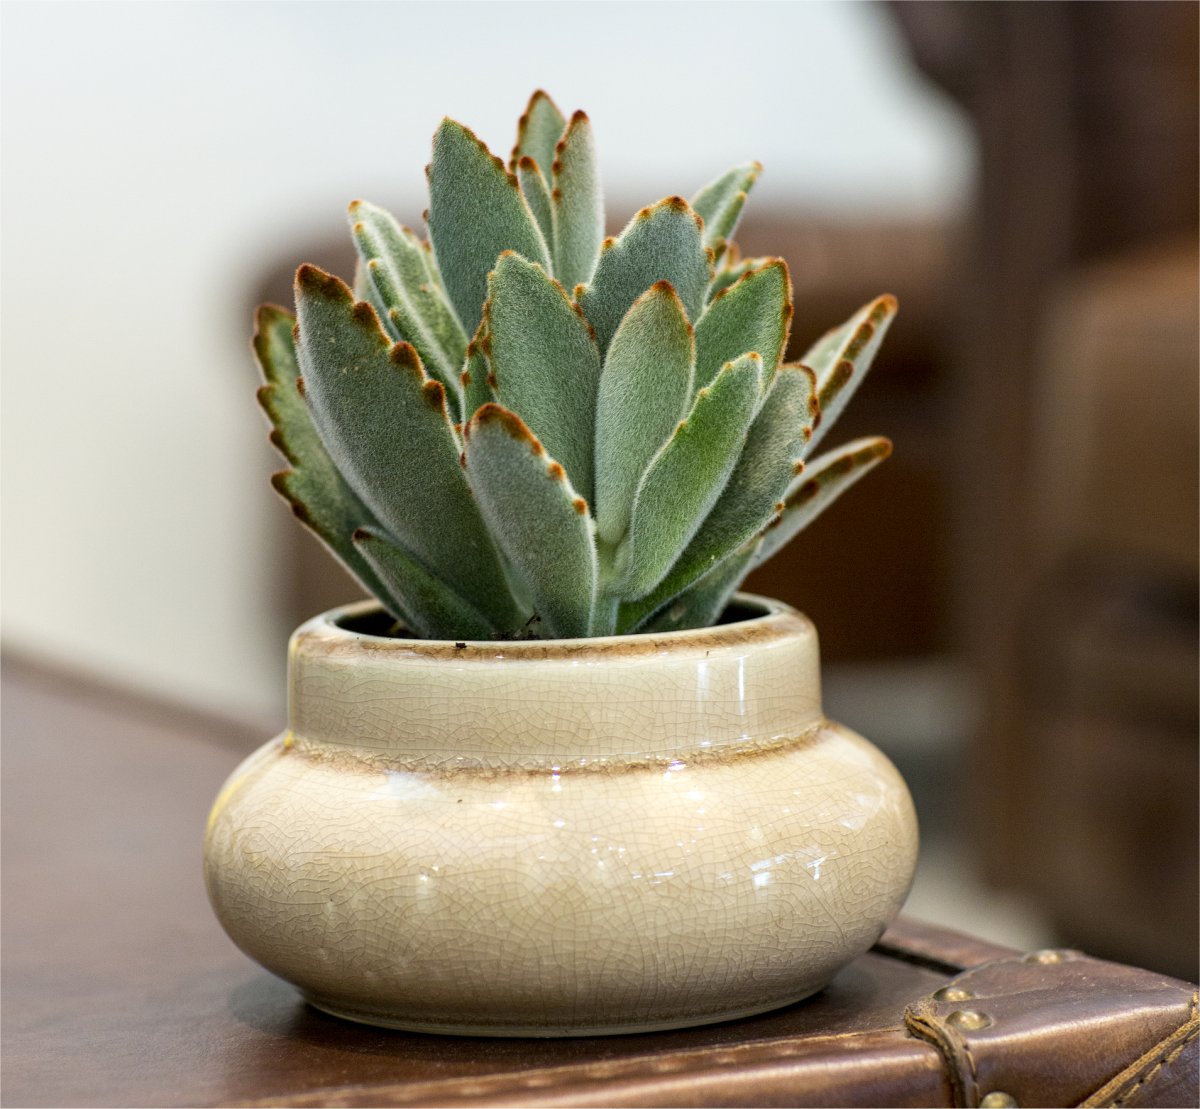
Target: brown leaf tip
{"type": "Point", "coordinates": [434, 395]}
{"type": "Point", "coordinates": [528, 164]}
{"type": "Point", "coordinates": [492, 413]}
{"type": "Point", "coordinates": [465, 379]}
{"type": "Point", "coordinates": [556, 472]}
{"type": "Point", "coordinates": [301, 387]}
{"type": "Point", "coordinates": [364, 314]}
{"type": "Point", "coordinates": [404, 356]}
{"type": "Point", "coordinates": [313, 279]}
{"type": "Point", "coordinates": [360, 535]}
{"type": "Point", "coordinates": [580, 506]}
{"type": "Point", "coordinates": [798, 465]}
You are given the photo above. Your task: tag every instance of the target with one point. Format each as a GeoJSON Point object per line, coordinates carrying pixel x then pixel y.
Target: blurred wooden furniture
{"type": "Point", "coordinates": [121, 989]}
{"type": "Point", "coordinates": [1073, 316]}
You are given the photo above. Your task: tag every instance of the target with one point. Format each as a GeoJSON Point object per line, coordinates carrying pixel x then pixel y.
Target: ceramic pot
{"type": "Point", "coordinates": [569, 837]}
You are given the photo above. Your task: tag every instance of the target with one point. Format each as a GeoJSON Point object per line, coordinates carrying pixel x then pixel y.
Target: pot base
{"type": "Point", "coordinates": [546, 1032]}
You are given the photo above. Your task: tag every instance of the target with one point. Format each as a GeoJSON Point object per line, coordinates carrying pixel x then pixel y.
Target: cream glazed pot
{"type": "Point", "coordinates": [565, 837]}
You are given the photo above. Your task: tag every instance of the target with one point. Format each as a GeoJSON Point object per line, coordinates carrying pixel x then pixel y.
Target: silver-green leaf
{"type": "Point", "coordinates": [476, 211]}
{"type": "Point", "coordinates": [687, 476]}
{"type": "Point", "coordinates": [754, 314]}
{"type": "Point", "coordinates": [842, 357]}
{"type": "Point", "coordinates": [661, 243]}
{"type": "Point", "coordinates": [536, 191]}
{"type": "Point", "coordinates": [540, 521]}
{"type": "Point", "coordinates": [645, 389]}
{"type": "Point", "coordinates": [720, 205]}
{"type": "Point", "coordinates": [824, 480]}
{"type": "Point", "coordinates": [577, 204]}
{"type": "Point", "coordinates": [414, 308]}
{"type": "Point", "coordinates": [703, 602]}
{"type": "Point", "coordinates": [544, 361]}
{"type": "Point", "coordinates": [431, 608]}
{"type": "Point", "coordinates": [755, 491]}
{"type": "Point", "coordinates": [386, 427]}
{"type": "Point", "coordinates": [319, 497]}
{"type": "Point", "coordinates": [538, 131]}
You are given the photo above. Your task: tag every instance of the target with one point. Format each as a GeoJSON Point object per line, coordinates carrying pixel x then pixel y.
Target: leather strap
{"type": "Point", "coordinates": [1052, 1028]}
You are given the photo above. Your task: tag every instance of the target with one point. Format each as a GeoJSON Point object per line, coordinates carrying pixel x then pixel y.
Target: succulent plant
{"type": "Point", "coordinates": [521, 424]}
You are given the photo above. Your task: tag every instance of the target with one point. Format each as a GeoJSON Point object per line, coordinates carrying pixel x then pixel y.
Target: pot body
{"type": "Point", "coordinates": [562, 837]}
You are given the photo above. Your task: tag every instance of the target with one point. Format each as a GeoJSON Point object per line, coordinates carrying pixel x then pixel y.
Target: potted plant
{"type": "Point", "coordinates": [558, 779]}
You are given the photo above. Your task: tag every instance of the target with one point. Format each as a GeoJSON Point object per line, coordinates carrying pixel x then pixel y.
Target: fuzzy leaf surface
{"type": "Point", "coordinates": [414, 309]}
{"type": "Point", "coordinates": [538, 132]}
{"type": "Point", "coordinates": [545, 364]}
{"type": "Point", "coordinates": [476, 212]}
{"type": "Point", "coordinates": [387, 429]}
{"type": "Point", "coordinates": [754, 314]}
{"type": "Point", "coordinates": [319, 497]}
{"type": "Point", "coordinates": [687, 476]}
{"type": "Point", "coordinates": [473, 381]}
{"type": "Point", "coordinates": [645, 389]}
{"type": "Point", "coordinates": [702, 603]}
{"type": "Point", "coordinates": [841, 358]}
{"type": "Point", "coordinates": [536, 192]}
{"type": "Point", "coordinates": [824, 480]}
{"type": "Point", "coordinates": [755, 491]}
{"type": "Point", "coordinates": [720, 204]}
{"type": "Point", "coordinates": [732, 272]}
{"type": "Point", "coordinates": [540, 522]}
{"type": "Point", "coordinates": [660, 243]}
{"type": "Point", "coordinates": [577, 204]}
{"type": "Point", "coordinates": [432, 609]}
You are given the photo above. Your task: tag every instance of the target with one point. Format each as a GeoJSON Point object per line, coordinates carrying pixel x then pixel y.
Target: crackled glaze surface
{"type": "Point", "coordinates": [559, 838]}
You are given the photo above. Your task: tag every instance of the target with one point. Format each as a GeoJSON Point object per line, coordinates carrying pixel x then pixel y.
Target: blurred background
{"type": "Point", "coordinates": [1008, 607]}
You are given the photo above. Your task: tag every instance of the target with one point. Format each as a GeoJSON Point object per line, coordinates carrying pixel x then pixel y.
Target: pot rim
{"type": "Point", "coordinates": [773, 621]}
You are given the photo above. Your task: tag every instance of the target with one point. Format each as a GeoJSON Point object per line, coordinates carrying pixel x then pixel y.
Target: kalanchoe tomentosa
{"type": "Point", "coordinates": [523, 417]}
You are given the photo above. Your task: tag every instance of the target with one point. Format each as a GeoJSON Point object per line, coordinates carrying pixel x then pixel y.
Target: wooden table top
{"type": "Point", "coordinates": [121, 989]}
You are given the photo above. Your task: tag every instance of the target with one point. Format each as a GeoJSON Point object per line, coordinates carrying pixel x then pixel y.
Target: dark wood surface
{"type": "Point", "coordinates": [121, 989]}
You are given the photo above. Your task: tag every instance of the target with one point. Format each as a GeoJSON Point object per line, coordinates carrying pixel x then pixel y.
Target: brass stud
{"type": "Point", "coordinates": [969, 1020]}
{"type": "Point", "coordinates": [997, 1099]}
{"type": "Point", "coordinates": [1045, 957]}
{"type": "Point", "coordinates": [953, 993]}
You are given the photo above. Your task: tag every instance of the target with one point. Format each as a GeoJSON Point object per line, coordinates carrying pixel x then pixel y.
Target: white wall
{"type": "Point", "coordinates": [155, 154]}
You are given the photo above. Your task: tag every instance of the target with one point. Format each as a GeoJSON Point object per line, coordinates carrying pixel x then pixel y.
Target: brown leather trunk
{"type": "Point", "coordinates": [119, 988]}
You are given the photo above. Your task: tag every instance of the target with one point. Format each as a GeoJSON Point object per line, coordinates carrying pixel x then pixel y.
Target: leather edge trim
{"type": "Point", "coordinates": [920, 1018]}
{"type": "Point", "coordinates": [1144, 1070]}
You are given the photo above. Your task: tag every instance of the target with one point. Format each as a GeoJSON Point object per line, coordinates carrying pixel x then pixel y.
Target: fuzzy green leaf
{"type": "Point", "coordinates": [319, 497]}
{"type": "Point", "coordinates": [545, 365]}
{"type": "Point", "coordinates": [387, 429]}
{"type": "Point", "coordinates": [414, 309]}
{"type": "Point", "coordinates": [536, 192]}
{"type": "Point", "coordinates": [754, 314]}
{"type": "Point", "coordinates": [842, 357]}
{"type": "Point", "coordinates": [755, 491]}
{"type": "Point", "coordinates": [645, 389]}
{"type": "Point", "coordinates": [687, 476]}
{"type": "Point", "coordinates": [577, 204]}
{"type": "Point", "coordinates": [476, 212]}
{"type": "Point", "coordinates": [733, 271]}
{"type": "Point", "coordinates": [432, 609]}
{"type": "Point", "coordinates": [540, 522]}
{"type": "Point", "coordinates": [720, 205]}
{"type": "Point", "coordinates": [473, 381]}
{"type": "Point", "coordinates": [702, 604]}
{"type": "Point", "coordinates": [661, 243]}
{"type": "Point", "coordinates": [824, 480]}
{"type": "Point", "coordinates": [538, 132]}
